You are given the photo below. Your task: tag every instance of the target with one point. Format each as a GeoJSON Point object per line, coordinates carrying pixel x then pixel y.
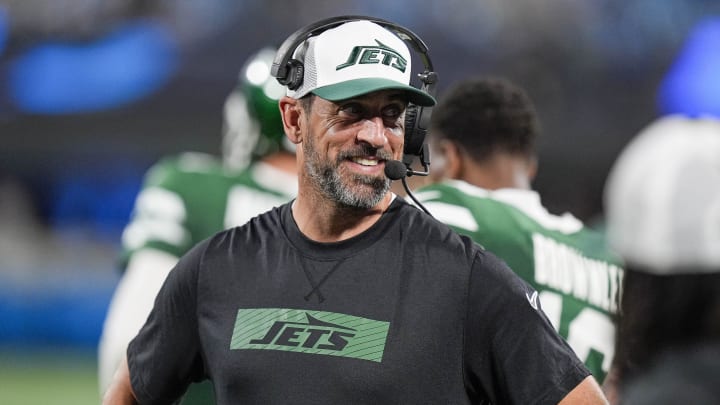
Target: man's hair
{"type": "Point", "coordinates": [485, 115]}
{"type": "Point", "coordinates": [306, 102]}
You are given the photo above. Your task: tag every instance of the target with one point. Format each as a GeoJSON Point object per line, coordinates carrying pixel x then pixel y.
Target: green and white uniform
{"type": "Point", "coordinates": [191, 197]}
{"type": "Point", "coordinates": [184, 200]}
{"type": "Point", "coordinates": [577, 279]}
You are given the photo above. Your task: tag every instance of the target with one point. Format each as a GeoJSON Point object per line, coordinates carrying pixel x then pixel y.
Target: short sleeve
{"type": "Point", "coordinates": [513, 355]}
{"type": "Point", "coordinates": [164, 358]}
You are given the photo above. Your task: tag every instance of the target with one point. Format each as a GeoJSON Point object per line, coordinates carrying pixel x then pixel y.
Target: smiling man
{"type": "Point", "coordinates": [348, 294]}
{"type": "Point", "coordinates": [365, 119]}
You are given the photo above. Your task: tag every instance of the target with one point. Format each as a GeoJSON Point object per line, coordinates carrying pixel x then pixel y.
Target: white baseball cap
{"type": "Point", "coordinates": [353, 59]}
{"type": "Point", "coordinates": [662, 197]}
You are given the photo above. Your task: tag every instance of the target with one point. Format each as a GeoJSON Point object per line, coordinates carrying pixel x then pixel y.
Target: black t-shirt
{"type": "Point", "coordinates": [407, 312]}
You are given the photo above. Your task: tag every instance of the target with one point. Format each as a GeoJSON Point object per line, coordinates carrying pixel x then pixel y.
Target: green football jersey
{"type": "Point", "coordinates": [577, 279]}
{"type": "Point", "coordinates": [187, 198]}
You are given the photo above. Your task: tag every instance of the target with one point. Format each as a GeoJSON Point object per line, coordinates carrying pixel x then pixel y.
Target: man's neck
{"type": "Point", "coordinates": [501, 171]}
{"type": "Point", "coordinates": [323, 220]}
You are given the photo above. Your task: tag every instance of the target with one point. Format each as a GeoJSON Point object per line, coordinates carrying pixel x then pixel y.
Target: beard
{"type": "Point", "coordinates": [356, 190]}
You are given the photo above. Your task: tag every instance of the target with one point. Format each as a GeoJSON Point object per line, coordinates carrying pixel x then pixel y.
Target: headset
{"type": "Point", "coordinates": [289, 72]}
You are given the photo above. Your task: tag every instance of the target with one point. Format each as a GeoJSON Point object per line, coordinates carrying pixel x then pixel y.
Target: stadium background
{"type": "Point", "coordinates": [92, 93]}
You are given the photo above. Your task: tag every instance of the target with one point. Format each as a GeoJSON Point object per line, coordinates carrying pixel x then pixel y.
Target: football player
{"type": "Point", "coordinates": [482, 137]}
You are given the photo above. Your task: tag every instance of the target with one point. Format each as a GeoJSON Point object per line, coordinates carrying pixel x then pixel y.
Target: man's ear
{"type": "Point", "coordinates": [291, 112]}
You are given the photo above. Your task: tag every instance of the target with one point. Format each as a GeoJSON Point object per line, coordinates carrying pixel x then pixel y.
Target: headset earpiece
{"type": "Point", "coordinates": [417, 121]}
{"type": "Point", "coordinates": [294, 74]}
{"type": "Point", "coordinates": [413, 143]}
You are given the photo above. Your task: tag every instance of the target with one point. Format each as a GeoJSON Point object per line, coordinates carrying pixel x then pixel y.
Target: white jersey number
{"type": "Point", "coordinates": [590, 329]}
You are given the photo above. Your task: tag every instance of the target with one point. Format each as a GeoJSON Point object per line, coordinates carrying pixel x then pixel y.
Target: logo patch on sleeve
{"type": "Point", "coordinates": [313, 332]}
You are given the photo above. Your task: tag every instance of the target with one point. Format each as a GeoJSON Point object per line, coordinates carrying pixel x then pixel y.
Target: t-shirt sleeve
{"type": "Point", "coordinates": [165, 356]}
{"type": "Point", "coordinates": [513, 355]}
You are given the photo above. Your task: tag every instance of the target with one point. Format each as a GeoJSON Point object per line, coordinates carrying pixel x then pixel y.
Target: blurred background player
{"type": "Point", "coordinates": [482, 137]}
{"type": "Point", "coordinates": [187, 198]}
{"type": "Point", "coordinates": [662, 202]}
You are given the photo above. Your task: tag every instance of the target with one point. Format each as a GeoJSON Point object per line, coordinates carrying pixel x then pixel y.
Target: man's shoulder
{"type": "Point", "coordinates": [460, 194]}
{"type": "Point", "coordinates": [432, 230]}
{"type": "Point", "coordinates": [267, 222]}
{"type": "Point", "coordinates": [467, 208]}
{"type": "Point", "coordinates": [256, 234]}
{"type": "Point", "coordinates": [443, 190]}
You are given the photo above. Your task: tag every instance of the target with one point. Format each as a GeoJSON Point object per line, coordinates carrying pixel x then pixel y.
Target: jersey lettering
{"type": "Point", "coordinates": [590, 332]}
{"type": "Point", "coordinates": [563, 268]}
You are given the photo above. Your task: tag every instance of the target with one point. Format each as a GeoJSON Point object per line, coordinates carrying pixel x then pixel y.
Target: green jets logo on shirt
{"type": "Point", "coordinates": [313, 332]}
{"type": "Point", "coordinates": [373, 55]}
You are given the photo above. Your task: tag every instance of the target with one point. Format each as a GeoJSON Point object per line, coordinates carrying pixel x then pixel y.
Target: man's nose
{"type": "Point", "coordinates": [373, 132]}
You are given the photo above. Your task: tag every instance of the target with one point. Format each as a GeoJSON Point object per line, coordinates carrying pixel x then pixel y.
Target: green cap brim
{"type": "Point", "coordinates": [359, 87]}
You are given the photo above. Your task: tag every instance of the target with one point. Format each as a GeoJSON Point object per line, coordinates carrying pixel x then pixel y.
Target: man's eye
{"type": "Point", "coordinates": [392, 113]}
{"type": "Point", "coordinates": [351, 109]}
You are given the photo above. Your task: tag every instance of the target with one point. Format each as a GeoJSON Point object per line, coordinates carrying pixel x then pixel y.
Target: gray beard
{"type": "Point", "coordinates": [333, 187]}
{"type": "Point", "coordinates": [331, 184]}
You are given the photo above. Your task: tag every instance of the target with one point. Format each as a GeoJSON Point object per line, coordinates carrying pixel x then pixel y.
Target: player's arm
{"type": "Point", "coordinates": [120, 391]}
{"type": "Point", "coordinates": [131, 303]}
{"type": "Point", "coordinates": [588, 392]}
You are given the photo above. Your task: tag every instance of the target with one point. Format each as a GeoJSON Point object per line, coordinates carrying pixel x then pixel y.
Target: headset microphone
{"type": "Point", "coordinates": [397, 170]}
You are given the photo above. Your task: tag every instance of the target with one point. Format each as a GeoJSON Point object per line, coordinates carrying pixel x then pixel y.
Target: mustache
{"type": "Point", "coordinates": [364, 150]}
